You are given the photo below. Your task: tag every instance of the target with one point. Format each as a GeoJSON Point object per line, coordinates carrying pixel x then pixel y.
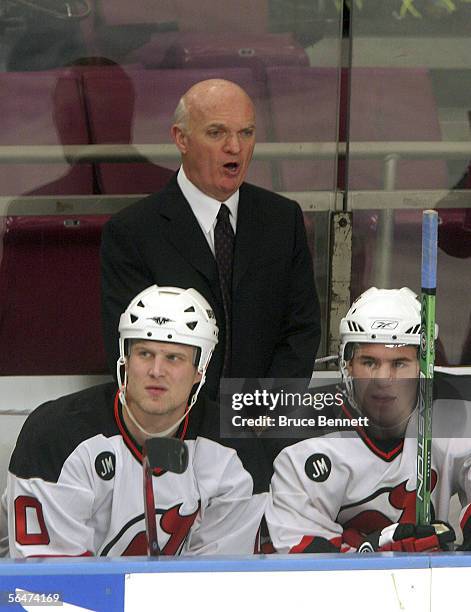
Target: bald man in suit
{"type": "Point", "coordinates": [268, 311]}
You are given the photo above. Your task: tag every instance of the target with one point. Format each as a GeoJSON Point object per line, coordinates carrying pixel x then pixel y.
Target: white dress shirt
{"type": "Point", "coordinates": [206, 208]}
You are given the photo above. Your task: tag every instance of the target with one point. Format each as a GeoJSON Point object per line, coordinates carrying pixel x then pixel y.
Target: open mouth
{"type": "Point", "coordinates": [232, 167]}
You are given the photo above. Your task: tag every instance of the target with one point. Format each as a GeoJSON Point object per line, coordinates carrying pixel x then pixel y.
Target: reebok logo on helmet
{"type": "Point", "coordinates": [384, 324]}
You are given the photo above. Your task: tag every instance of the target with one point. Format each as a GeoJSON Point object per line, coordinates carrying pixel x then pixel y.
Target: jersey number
{"type": "Point", "coordinates": [25, 507]}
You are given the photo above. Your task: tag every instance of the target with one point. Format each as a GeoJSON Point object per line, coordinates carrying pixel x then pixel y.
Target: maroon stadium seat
{"type": "Point", "coordinates": [156, 92]}
{"type": "Point", "coordinates": [304, 109]}
{"type": "Point", "coordinates": [50, 286]}
{"type": "Point", "coordinates": [454, 232]}
{"type": "Point", "coordinates": [387, 104]}
{"type": "Point", "coordinates": [43, 109]}
{"type": "Point", "coordinates": [110, 97]}
{"type": "Point", "coordinates": [121, 27]}
{"type": "Point", "coordinates": [394, 104]}
{"type": "Point", "coordinates": [391, 104]}
{"type": "Point", "coordinates": [221, 50]}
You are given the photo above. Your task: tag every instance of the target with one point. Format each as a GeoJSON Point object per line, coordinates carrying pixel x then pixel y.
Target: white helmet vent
{"type": "Point", "coordinates": [192, 325]}
{"type": "Point", "coordinates": [413, 330]}
{"type": "Point", "coordinates": [190, 309]}
{"type": "Point", "coordinates": [355, 327]}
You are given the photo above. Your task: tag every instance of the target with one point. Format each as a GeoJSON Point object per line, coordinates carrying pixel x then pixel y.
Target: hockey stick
{"type": "Point", "coordinates": [427, 357]}
{"type": "Point", "coordinates": [167, 454]}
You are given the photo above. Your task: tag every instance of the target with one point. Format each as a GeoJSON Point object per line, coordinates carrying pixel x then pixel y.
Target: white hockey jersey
{"type": "Point", "coordinates": [328, 493]}
{"type": "Point", "coordinates": [75, 485]}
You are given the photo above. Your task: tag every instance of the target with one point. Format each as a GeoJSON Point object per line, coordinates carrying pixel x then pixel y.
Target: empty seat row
{"type": "Point", "coordinates": [103, 105]}
{"type": "Point", "coordinates": [49, 265]}
{"type": "Point", "coordinates": [50, 296]}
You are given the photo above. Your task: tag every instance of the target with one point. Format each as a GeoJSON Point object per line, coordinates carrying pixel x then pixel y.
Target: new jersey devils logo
{"type": "Point", "coordinates": [172, 524]}
{"type": "Point", "coordinates": [398, 498]}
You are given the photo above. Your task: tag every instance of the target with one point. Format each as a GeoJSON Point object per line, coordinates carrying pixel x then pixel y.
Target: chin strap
{"type": "Point", "coordinates": [122, 398]}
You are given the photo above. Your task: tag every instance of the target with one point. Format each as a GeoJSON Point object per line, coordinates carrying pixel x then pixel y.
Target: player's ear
{"type": "Point", "coordinates": [349, 366]}
{"type": "Point", "coordinates": [197, 377]}
{"type": "Point", "coordinates": [127, 353]}
{"type": "Point", "coordinates": [348, 355]}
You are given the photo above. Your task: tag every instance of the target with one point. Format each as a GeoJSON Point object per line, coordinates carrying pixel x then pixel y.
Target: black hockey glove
{"type": "Point", "coordinates": [465, 524]}
{"type": "Point", "coordinates": [407, 537]}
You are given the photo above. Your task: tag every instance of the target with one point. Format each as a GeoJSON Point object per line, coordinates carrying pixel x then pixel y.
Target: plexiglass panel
{"type": "Point", "coordinates": [410, 136]}
{"type": "Point", "coordinates": [86, 73]}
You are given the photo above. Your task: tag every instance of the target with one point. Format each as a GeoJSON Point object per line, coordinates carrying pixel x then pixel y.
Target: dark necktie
{"type": "Point", "coordinates": [224, 251]}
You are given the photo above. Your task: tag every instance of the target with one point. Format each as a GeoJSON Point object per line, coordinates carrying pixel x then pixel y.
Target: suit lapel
{"type": "Point", "coordinates": [248, 235]}
{"type": "Point", "coordinates": [184, 232]}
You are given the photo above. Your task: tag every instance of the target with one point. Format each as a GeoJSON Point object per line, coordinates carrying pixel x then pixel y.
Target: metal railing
{"type": "Point", "coordinates": [263, 151]}
{"type": "Point", "coordinates": [389, 152]}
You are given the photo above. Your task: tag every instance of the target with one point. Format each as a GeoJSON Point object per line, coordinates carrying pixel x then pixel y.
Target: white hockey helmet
{"type": "Point", "coordinates": [170, 314]}
{"type": "Point", "coordinates": [379, 316]}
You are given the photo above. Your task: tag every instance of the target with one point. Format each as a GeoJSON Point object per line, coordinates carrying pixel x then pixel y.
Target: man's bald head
{"type": "Point", "coordinates": [214, 130]}
{"type": "Point", "coordinates": [201, 96]}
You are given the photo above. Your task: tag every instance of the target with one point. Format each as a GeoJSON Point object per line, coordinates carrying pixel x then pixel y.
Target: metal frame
{"type": "Point", "coordinates": [391, 152]}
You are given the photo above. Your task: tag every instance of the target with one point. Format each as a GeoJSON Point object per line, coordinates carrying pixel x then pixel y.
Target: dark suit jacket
{"type": "Point", "coordinates": [275, 309]}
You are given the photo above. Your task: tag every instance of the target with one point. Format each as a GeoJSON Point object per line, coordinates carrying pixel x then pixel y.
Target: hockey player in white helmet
{"type": "Point", "coordinates": [378, 358]}
{"type": "Point", "coordinates": [75, 476]}
{"type": "Point", "coordinates": [155, 321]}
{"type": "Point", "coordinates": [354, 490]}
